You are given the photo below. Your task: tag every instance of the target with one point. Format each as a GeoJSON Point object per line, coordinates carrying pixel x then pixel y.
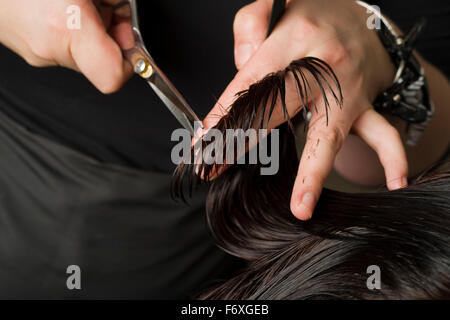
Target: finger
{"type": "Point", "coordinates": [96, 54]}
{"type": "Point", "coordinates": [323, 143]}
{"type": "Point", "coordinates": [250, 30]}
{"type": "Point", "coordinates": [121, 32]}
{"type": "Point", "coordinates": [376, 131]}
{"type": "Point", "coordinates": [266, 60]}
{"type": "Point", "coordinates": [23, 49]}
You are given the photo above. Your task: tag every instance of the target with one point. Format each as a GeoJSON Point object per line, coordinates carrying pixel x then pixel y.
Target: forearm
{"type": "Point", "coordinates": [359, 164]}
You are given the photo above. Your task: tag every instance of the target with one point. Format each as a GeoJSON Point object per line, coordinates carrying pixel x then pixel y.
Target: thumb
{"type": "Point", "coordinates": [250, 30]}
{"type": "Point", "coordinates": [96, 54]}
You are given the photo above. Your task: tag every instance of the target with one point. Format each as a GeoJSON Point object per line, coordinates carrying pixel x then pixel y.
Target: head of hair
{"type": "Point", "coordinates": [404, 233]}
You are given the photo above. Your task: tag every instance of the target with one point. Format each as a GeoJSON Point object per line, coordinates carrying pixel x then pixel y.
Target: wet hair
{"type": "Point", "coordinates": [404, 233]}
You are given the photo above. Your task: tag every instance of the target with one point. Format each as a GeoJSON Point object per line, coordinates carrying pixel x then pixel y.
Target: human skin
{"type": "Point", "coordinates": [340, 37]}
{"type": "Point", "coordinates": [37, 31]}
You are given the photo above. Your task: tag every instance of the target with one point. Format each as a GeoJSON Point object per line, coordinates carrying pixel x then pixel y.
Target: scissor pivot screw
{"type": "Point", "coordinates": [143, 68]}
{"type": "Point", "coordinates": [140, 66]}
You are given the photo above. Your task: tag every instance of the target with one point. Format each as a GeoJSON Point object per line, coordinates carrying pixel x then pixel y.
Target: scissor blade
{"type": "Point", "coordinates": [173, 101]}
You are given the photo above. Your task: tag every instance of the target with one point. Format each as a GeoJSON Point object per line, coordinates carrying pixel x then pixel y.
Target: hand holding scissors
{"type": "Point", "coordinates": [145, 66]}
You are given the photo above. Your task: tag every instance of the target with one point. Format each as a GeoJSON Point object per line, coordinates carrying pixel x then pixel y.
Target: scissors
{"type": "Point", "coordinates": [145, 66]}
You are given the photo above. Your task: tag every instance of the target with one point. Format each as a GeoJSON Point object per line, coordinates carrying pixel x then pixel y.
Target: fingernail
{"type": "Point", "coordinates": [243, 54]}
{"type": "Point", "coordinates": [399, 183]}
{"type": "Point", "coordinates": [307, 205]}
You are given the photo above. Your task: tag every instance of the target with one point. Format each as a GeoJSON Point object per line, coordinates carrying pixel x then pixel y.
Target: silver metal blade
{"type": "Point", "coordinates": [174, 102]}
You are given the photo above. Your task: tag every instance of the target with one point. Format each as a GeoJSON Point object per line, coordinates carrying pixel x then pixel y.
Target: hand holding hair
{"type": "Point", "coordinates": [37, 31]}
{"type": "Point", "coordinates": [336, 33]}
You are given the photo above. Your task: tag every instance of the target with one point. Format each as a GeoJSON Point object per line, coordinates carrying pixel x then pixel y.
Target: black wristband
{"type": "Point", "coordinates": [408, 97]}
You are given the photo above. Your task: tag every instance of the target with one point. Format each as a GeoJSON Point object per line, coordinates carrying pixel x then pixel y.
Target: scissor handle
{"type": "Point", "coordinates": [141, 60]}
{"type": "Point", "coordinates": [138, 56]}
{"type": "Point", "coordinates": [134, 15]}
{"type": "Point", "coordinates": [144, 65]}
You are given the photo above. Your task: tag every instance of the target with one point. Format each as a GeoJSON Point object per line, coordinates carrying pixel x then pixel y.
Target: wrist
{"type": "Point", "coordinates": [378, 68]}
{"type": "Point", "coordinates": [408, 97]}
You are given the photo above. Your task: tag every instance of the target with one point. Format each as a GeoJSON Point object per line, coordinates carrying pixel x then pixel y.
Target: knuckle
{"type": "Point", "coordinates": [338, 54]}
{"type": "Point", "coordinates": [246, 20]}
{"type": "Point", "coordinates": [303, 28]}
{"type": "Point", "coordinates": [53, 37]}
{"type": "Point", "coordinates": [33, 61]}
{"type": "Point", "coordinates": [318, 177]}
{"type": "Point", "coordinates": [55, 22]}
{"type": "Point", "coordinates": [41, 50]}
{"type": "Point", "coordinates": [318, 121]}
{"type": "Point", "coordinates": [334, 136]}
